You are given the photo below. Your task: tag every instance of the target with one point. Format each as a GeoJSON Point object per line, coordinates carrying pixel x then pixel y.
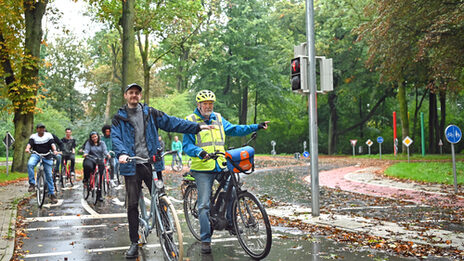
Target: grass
{"type": "Point", "coordinates": [11, 175]}
{"type": "Point", "coordinates": [433, 172]}
{"type": "Point", "coordinates": [411, 156]}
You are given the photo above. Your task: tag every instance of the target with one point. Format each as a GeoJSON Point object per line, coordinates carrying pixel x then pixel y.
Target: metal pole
{"type": "Point", "coordinates": [312, 108]}
{"type": "Point", "coordinates": [7, 148]}
{"type": "Point", "coordinates": [408, 154]}
{"type": "Point", "coordinates": [380, 150]}
{"type": "Point", "coordinates": [394, 133]}
{"type": "Point", "coordinates": [454, 169]}
{"type": "Point", "coordinates": [422, 134]}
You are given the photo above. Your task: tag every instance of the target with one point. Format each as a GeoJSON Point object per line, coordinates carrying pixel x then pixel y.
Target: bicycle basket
{"type": "Point", "coordinates": [241, 159]}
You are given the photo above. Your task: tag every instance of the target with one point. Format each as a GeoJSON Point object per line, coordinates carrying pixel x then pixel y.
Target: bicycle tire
{"type": "Point", "coordinates": [55, 178]}
{"type": "Point", "coordinates": [69, 175]}
{"type": "Point", "coordinates": [96, 182]}
{"type": "Point", "coordinates": [252, 224]}
{"type": "Point", "coordinates": [171, 239]}
{"type": "Point", "coordinates": [62, 176]}
{"type": "Point", "coordinates": [41, 191]}
{"type": "Point", "coordinates": [191, 211]}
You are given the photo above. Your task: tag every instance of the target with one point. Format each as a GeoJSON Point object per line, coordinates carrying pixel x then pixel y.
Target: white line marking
{"type": "Point", "coordinates": [90, 226]}
{"type": "Point", "coordinates": [118, 248]}
{"type": "Point", "coordinates": [175, 200]}
{"type": "Point", "coordinates": [48, 254]}
{"type": "Point", "coordinates": [59, 203]}
{"type": "Point", "coordinates": [118, 202]}
{"type": "Point", "coordinates": [88, 208]}
{"type": "Point", "coordinates": [42, 228]}
{"type": "Point", "coordinates": [73, 187]}
{"type": "Point", "coordinates": [60, 218]}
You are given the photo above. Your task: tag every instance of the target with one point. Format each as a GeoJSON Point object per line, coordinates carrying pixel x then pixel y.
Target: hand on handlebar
{"type": "Point", "coordinates": [123, 159]}
{"type": "Point", "coordinates": [263, 125]}
{"type": "Point", "coordinates": [204, 155]}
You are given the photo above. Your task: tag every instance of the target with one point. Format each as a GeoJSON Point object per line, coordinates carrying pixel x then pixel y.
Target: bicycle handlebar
{"type": "Point", "coordinates": [41, 154]}
{"type": "Point", "coordinates": [129, 159]}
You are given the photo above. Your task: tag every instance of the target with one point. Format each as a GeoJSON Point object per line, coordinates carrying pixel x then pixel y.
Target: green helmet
{"type": "Point", "coordinates": [205, 95]}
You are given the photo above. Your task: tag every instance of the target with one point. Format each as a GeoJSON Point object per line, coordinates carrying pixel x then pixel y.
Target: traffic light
{"type": "Point", "coordinates": [298, 76]}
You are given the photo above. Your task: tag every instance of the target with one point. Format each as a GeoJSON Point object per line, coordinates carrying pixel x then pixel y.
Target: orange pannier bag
{"type": "Point", "coordinates": [241, 159]}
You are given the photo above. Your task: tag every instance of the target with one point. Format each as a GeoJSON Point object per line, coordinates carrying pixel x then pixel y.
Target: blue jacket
{"type": "Point", "coordinates": [123, 136]}
{"type": "Point", "coordinates": [230, 129]}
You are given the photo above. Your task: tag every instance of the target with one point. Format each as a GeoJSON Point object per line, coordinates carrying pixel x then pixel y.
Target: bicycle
{"type": "Point", "coordinates": [41, 186]}
{"type": "Point", "coordinates": [92, 185]}
{"type": "Point", "coordinates": [249, 218]}
{"type": "Point", "coordinates": [161, 215]}
{"type": "Point", "coordinates": [176, 164]}
{"type": "Point", "coordinates": [115, 167]}
{"type": "Point", "coordinates": [66, 176]}
{"type": "Point", "coordinates": [106, 186]}
{"type": "Point", "coordinates": [56, 176]}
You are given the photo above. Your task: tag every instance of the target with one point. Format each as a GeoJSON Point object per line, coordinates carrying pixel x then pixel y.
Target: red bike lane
{"type": "Point", "coordinates": [336, 179]}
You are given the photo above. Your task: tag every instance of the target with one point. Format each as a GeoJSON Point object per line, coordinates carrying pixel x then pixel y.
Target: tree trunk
{"type": "Point", "coordinates": [403, 112]}
{"type": "Point", "coordinates": [24, 113]}
{"type": "Point", "coordinates": [441, 131]}
{"type": "Point", "coordinates": [433, 121]}
{"type": "Point", "coordinates": [333, 118]}
{"type": "Point", "coordinates": [361, 127]}
{"type": "Point", "coordinates": [128, 43]}
{"type": "Point", "coordinates": [255, 120]}
{"type": "Point", "coordinates": [416, 113]}
{"type": "Point", "coordinates": [244, 105]}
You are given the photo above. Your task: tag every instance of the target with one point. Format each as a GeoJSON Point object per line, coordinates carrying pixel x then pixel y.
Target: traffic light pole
{"type": "Point", "coordinates": [312, 108]}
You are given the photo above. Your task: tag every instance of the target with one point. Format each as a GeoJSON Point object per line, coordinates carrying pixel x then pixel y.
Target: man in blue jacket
{"type": "Point", "coordinates": [198, 146]}
{"type": "Point", "coordinates": [134, 132]}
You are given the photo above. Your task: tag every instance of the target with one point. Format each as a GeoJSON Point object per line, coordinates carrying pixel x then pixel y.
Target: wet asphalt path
{"type": "Point", "coordinates": [75, 229]}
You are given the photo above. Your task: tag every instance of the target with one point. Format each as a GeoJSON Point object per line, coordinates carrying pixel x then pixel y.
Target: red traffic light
{"type": "Point", "coordinates": [295, 66]}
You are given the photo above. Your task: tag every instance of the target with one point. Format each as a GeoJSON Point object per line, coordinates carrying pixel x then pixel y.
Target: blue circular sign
{"type": "Point", "coordinates": [305, 154]}
{"type": "Point", "coordinates": [379, 139]}
{"type": "Point", "coordinates": [453, 134]}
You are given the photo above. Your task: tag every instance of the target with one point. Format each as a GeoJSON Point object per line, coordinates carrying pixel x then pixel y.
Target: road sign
{"type": "Point", "coordinates": [407, 141]}
{"type": "Point", "coordinates": [380, 139]}
{"type": "Point", "coordinates": [8, 140]}
{"type": "Point", "coordinates": [353, 142]}
{"type": "Point", "coordinates": [273, 143]}
{"type": "Point", "coordinates": [306, 154]}
{"type": "Point", "coordinates": [453, 134]}
{"type": "Point", "coordinates": [369, 142]}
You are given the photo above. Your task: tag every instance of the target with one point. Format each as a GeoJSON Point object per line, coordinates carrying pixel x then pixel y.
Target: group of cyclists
{"type": "Point", "coordinates": [134, 132]}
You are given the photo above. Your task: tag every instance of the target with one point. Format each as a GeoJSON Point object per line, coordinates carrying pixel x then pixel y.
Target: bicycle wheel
{"type": "Point", "coordinates": [191, 211]}
{"type": "Point", "coordinates": [171, 235]}
{"type": "Point", "coordinates": [55, 177]}
{"type": "Point", "coordinates": [41, 191]}
{"type": "Point", "coordinates": [252, 225]}
{"type": "Point", "coordinates": [96, 184]}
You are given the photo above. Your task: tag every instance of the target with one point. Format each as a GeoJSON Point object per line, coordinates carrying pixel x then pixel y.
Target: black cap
{"type": "Point", "coordinates": [133, 85]}
{"type": "Point", "coordinates": [40, 125]}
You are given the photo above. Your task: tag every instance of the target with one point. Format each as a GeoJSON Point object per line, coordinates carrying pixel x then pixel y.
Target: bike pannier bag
{"type": "Point", "coordinates": [240, 159]}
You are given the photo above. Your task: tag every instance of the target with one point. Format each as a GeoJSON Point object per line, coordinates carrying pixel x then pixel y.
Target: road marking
{"type": "Point", "coordinates": [118, 202]}
{"type": "Point", "coordinates": [88, 208]}
{"type": "Point", "coordinates": [175, 200]}
{"type": "Point", "coordinates": [42, 228]}
{"type": "Point", "coordinates": [73, 187]}
{"type": "Point", "coordinates": [90, 226]}
{"type": "Point", "coordinates": [119, 248]}
{"type": "Point", "coordinates": [48, 254]}
{"type": "Point", "coordinates": [59, 203]}
{"type": "Point", "coordinates": [82, 217]}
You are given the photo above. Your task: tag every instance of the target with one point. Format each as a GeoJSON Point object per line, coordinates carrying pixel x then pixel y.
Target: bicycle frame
{"type": "Point", "coordinates": [154, 214]}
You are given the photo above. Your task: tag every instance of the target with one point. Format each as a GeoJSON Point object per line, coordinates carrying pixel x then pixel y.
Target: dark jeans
{"type": "Point", "coordinates": [70, 158]}
{"type": "Point", "coordinates": [89, 166]}
{"type": "Point", "coordinates": [143, 172]}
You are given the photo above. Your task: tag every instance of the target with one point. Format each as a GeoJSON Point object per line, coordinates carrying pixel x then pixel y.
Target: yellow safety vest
{"type": "Point", "coordinates": [210, 141]}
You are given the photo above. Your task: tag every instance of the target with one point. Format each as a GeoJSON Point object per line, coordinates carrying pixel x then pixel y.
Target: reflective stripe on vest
{"type": "Point", "coordinates": [210, 141]}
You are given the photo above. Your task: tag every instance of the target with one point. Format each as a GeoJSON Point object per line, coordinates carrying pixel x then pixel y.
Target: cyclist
{"type": "Point", "coordinates": [69, 148]}
{"type": "Point", "coordinates": [59, 149]}
{"type": "Point", "coordinates": [203, 170]}
{"type": "Point", "coordinates": [106, 130]}
{"type": "Point", "coordinates": [97, 149]}
{"type": "Point", "coordinates": [41, 142]}
{"type": "Point", "coordinates": [177, 146]}
{"type": "Point", "coordinates": [134, 132]}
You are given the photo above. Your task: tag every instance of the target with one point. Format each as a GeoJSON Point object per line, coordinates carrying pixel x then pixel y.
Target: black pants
{"type": "Point", "coordinates": [70, 158]}
{"type": "Point", "coordinates": [89, 166]}
{"type": "Point", "coordinates": [133, 189]}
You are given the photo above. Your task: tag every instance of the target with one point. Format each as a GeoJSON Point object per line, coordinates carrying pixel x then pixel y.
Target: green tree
{"type": "Point", "coordinates": [65, 58]}
{"type": "Point", "coordinates": [20, 63]}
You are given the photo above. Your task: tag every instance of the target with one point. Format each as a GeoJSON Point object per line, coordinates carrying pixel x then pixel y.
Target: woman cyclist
{"type": "Point", "coordinates": [94, 153]}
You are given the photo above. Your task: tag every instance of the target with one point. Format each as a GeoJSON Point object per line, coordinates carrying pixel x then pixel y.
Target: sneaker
{"type": "Point", "coordinates": [112, 183]}
{"type": "Point", "coordinates": [206, 247]}
{"type": "Point", "coordinates": [53, 199]}
{"type": "Point", "coordinates": [31, 188]}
